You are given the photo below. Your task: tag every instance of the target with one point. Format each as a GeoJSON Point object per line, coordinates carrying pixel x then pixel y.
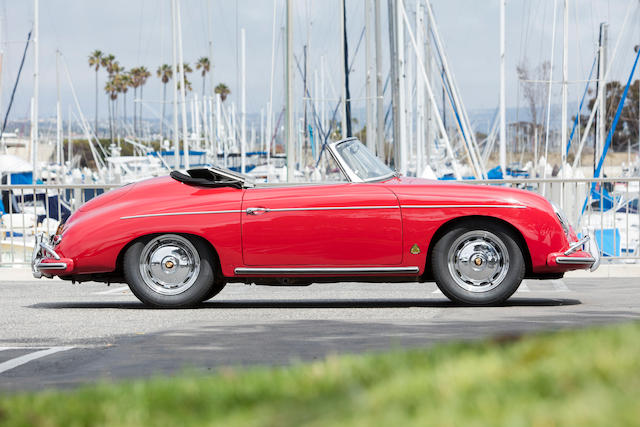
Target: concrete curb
{"type": "Point", "coordinates": [19, 275]}
{"type": "Point", "coordinates": [608, 270]}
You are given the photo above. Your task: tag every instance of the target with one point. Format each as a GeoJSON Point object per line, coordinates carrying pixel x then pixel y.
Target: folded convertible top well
{"type": "Point", "coordinates": [204, 178]}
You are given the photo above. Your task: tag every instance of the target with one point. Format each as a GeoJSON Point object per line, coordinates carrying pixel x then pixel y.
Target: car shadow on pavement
{"type": "Point", "coordinates": [324, 303]}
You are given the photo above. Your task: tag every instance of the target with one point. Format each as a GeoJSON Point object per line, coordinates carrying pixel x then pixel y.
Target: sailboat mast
{"type": "Point", "coordinates": [420, 91]}
{"type": "Point", "coordinates": [395, 81]}
{"type": "Point", "coordinates": [371, 129]}
{"type": "Point", "coordinates": [270, 104]}
{"type": "Point", "coordinates": [565, 78]}
{"type": "Point", "coordinates": [289, 92]}
{"type": "Point", "coordinates": [503, 124]}
{"type": "Point", "coordinates": [36, 83]}
{"type": "Point", "coordinates": [209, 31]}
{"type": "Point", "coordinates": [174, 74]}
{"type": "Point", "coordinates": [401, 143]}
{"type": "Point", "coordinates": [243, 102]}
{"type": "Point", "coordinates": [69, 142]}
{"type": "Point", "coordinates": [59, 156]}
{"type": "Point", "coordinates": [600, 90]}
{"type": "Point", "coordinates": [185, 130]}
{"type": "Point", "coordinates": [347, 95]}
{"type": "Point", "coordinates": [379, 89]}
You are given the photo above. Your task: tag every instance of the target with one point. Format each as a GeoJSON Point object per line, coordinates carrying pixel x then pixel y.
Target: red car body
{"type": "Point", "coordinates": [177, 240]}
{"type": "Point", "coordinates": [382, 229]}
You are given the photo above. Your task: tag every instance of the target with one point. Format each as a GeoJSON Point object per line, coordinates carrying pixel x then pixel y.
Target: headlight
{"type": "Point", "coordinates": [564, 221]}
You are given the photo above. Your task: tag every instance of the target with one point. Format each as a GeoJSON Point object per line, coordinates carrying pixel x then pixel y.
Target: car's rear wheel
{"type": "Point", "coordinates": [478, 263]}
{"type": "Point", "coordinates": [169, 270]}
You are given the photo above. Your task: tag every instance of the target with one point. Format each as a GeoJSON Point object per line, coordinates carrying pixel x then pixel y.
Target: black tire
{"type": "Point", "coordinates": [478, 263]}
{"type": "Point", "coordinates": [161, 286]}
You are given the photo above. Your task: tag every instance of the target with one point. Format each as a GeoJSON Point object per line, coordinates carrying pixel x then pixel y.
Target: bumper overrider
{"type": "Point", "coordinates": [45, 262]}
{"type": "Point", "coordinates": [583, 254]}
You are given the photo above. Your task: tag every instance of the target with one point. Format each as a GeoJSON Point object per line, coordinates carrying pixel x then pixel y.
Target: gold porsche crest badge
{"type": "Point", "coordinates": [415, 249]}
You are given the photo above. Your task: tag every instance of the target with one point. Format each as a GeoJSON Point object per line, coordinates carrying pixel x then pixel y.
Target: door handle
{"type": "Point", "coordinates": [256, 211]}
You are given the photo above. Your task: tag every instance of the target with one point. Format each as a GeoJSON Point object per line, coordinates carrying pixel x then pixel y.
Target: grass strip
{"type": "Point", "coordinates": [574, 378]}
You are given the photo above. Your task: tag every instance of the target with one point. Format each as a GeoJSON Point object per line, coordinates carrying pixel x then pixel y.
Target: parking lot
{"type": "Point", "coordinates": [55, 334]}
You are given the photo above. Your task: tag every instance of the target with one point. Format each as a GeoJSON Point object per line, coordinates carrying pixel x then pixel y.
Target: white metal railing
{"type": "Point", "coordinates": [616, 229]}
{"type": "Point", "coordinates": [31, 209]}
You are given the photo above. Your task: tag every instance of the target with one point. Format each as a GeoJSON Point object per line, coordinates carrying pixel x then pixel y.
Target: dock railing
{"type": "Point", "coordinates": [31, 209]}
{"type": "Point", "coordinates": [27, 210]}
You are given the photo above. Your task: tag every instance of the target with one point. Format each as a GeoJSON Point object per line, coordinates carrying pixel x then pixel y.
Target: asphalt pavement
{"type": "Point", "coordinates": [55, 334]}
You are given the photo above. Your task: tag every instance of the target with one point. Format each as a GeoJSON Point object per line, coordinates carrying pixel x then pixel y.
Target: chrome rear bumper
{"type": "Point", "coordinates": [42, 250]}
{"type": "Point", "coordinates": [583, 253]}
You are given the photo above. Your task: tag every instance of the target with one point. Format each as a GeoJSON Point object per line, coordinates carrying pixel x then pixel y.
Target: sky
{"type": "Point", "coordinates": [138, 32]}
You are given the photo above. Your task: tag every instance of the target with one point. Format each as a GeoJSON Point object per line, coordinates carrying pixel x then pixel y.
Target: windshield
{"type": "Point", "coordinates": [362, 162]}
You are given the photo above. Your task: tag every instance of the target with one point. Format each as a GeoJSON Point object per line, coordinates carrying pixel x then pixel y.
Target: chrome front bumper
{"type": "Point", "coordinates": [584, 252]}
{"type": "Point", "coordinates": [42, 250]}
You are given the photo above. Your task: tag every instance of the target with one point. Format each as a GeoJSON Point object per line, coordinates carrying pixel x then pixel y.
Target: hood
{"type": "Point", "coordinates": [417, 190]}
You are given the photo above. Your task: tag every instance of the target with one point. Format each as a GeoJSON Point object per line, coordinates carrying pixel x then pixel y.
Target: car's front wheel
{"type": "Point", "coordinates": [478, 263]}
{"type": "Point", "coordinates": [169, 270]}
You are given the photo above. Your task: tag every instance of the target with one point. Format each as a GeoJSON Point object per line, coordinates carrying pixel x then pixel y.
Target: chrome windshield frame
{"type": "Point", "coordinates": [246, 180]}
{"type": "Point", "coordinates": [348, 172]}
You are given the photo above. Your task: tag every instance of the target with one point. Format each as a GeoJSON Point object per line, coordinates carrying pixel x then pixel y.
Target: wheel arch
{"type": "Point", "coordinates": [455, 222]}
{"type": "Point", "coordinates": [217, 271]}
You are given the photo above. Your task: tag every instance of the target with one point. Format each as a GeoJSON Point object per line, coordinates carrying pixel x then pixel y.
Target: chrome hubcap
{"type": "Point", "coordinates": [478, 261]}
{"type": "Point", "coordinates": [169, 264]}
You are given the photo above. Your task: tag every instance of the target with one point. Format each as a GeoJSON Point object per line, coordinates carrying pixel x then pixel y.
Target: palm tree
{"type": "Point", "coordinates": [134, 74]}
{"type": "Point", "coordinates": [204, 64]}
{"type": "Point", "coordinates": [165, 73]}
{"type": "Point", "coordinates": [143, 75]}
{"type": "Point", "coordinates": [187, 69]}
{"type": "Point", "coordinates": [124, 82]}
{"type": "Point", "coordinates": [223, 90]}
{"type": "Point", "coordinates": [95, 61]}
{"type": "Point", "coordinates": [111, 89]}
{"type": "Point", "coordinates": [187, 84]}
{"type": "Point", "coordinates": [108, 62]}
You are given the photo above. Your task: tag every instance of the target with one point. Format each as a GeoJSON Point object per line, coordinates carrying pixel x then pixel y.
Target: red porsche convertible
{"type": "Point", "coordinates": [177, 240]}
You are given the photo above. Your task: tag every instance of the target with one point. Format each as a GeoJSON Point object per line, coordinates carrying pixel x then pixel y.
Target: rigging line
{"type": "Point", "coordinates": [140, 30]}
{"type": "Point", "coordinates": [596, 173]}
{"type": "Point", "coordinates": [522, 30]}
{"type": "Point", "coordinates": [330, 129]}
{"type": "Point", "coordinates": [326, 137]}
{"type": "Point", "coordinates": [452, 104]}
{"type": "Point", "coordinates": [15, 85]}
{"type": "Point", "coordinates": [447, 88]}
{"type": "Point", "coordinates": [544, 19]}
{"type": "Point", "coordinates": [83, 123]}
{"type": "Point", "coordinates": [355, 52]}
{"type": "Point", "coordinates": [308, 95]}
{"type": "Point", "coordinates": [584, 95]}
{"type": "Point", "coordinates": [580, 60]}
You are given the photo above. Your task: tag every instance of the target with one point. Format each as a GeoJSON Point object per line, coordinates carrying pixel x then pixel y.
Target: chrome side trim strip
{"type": "Point", "coordinates": [575, 260]}
{"type": "Point", "coordinates": [324, 208]}
{"type": "Point", "coordinates": [461, 206]}
{"type": "Point", "coordinates": [51, 266]}
{"type": "Point", "coordinates": [330, 208]}
{"type": "Point", "coordinates": [323, 270]}
{"type": "Point", "coordinates": [179, 213]}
